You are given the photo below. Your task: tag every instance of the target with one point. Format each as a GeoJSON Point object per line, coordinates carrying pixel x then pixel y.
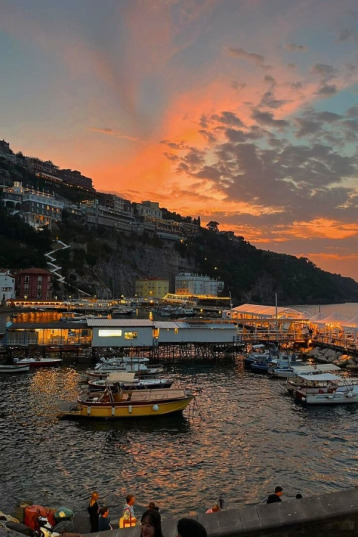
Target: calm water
{"type": "Point", "coordinates": [249, 439]}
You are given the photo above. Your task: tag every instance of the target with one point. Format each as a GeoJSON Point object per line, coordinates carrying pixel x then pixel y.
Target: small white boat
{"type": "Point", "coordinates": [14, 368]}
{"type": "Point", "coordinates": [38, 362]}
{"type": "Point", "coordinates": [128, 381]}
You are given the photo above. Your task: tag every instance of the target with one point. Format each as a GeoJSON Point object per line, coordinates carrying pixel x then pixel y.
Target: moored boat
{"type": "Point", "coordinates": [14, 368]}
{"type": "Point", "coordinates": [129, 381]}
{"type": "Point", "coordinates": [114, 403]}
{"type": "Point", "coordinates": [326, 389]}
{"type": "Point", "coordinates": [38, 362]}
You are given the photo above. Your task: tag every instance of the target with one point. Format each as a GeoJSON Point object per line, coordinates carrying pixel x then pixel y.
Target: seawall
{"type": "Point", "coordinates": [328, 515]}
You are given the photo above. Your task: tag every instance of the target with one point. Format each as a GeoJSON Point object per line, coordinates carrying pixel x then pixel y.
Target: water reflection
{"type": "Point", "coordinates": [251, 437]}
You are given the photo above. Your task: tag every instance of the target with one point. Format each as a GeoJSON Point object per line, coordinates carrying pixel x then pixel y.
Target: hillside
{"type": "Point", "coordinates": [106, 263]}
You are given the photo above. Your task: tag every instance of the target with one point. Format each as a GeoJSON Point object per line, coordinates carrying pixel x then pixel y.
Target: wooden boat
{"type": "Point", "coordinates": [38, 362]}
{"type": "Point", "coordinates": [114, 403]}
{"type": "Point", "coordinates": [14, 368]}
{"type": "Point", "coordinates": [326, 389]}
{"type": "Point", "coordinates": [295, 382]}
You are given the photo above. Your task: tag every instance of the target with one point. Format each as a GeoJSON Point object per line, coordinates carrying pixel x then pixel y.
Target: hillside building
{"type": "Point", "coordinates": [151, 288]}
{"type": "Point", "coordinates": [195, 284]}
{"type": "Point", "coordinates": [7, 285]}
{"type": "Point", "coordinates": [33, 283]}
{"type": "Point", "coordinates": [36, 208]}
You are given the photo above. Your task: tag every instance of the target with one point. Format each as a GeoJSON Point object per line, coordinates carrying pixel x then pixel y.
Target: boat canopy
{"type": "Point", "coordinates": [322, 377]}
{"type": "Point", "coordinates": [333, 318]}
{"type": "Point", "coordinates": [315, 369]}
{"type": "Point", "coordinates": [120, 377]}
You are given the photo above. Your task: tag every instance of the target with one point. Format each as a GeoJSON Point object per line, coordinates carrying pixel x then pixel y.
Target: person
{"type": "Point", "coordinates": [276, 497]}
{"type": "Point", "coordinates": [104, 520]}
{"type": "Point", "coordinates": [188, 527]}
{"type": "Point", "coordinates": [151, 505]}
{"type": "Point", "coordinates": [92, 510]}
{"type": "Point", "coordinates": [128, 510]}
{"type": "Point", "coordinates": [151, 525]}
{"type": "Point", "coordinates": [298, 496]}
{"type": "Point", "coordinates": [215, 508]}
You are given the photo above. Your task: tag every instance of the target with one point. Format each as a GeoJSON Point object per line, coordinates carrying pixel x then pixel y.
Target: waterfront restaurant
{"type": "Point", "coordinates": [269, 322]}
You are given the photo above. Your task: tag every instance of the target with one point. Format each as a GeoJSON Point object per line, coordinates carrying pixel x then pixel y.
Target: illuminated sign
{"type": "Point", "coordinates": [110, 333]}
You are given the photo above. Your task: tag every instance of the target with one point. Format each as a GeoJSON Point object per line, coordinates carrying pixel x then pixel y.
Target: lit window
{"type": "Point", "coordinates": [130, 335]}
{"type": "Point", "coordinates": [109, 333]}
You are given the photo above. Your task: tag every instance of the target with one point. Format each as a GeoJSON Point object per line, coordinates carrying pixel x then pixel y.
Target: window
{"type": "Point", "coordinates": [130, 335]}
{"type": "Point", "coordinates": [109, 333]}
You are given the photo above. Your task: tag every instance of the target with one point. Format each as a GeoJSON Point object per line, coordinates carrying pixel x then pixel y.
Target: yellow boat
{"type": "Point", "coordinates": [117, 403]}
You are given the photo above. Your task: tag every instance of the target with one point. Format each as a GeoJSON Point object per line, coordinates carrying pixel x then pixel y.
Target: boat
{"type": "Point", "coordinates": [14, 368]}
{"type": "Point", "coordinates": [326, 389]}
{"type": "Point", "coordinates": [116, 365]}
{"type": "Point", "coordinates": [286, 366]}
{"type": "Point", "coordinates": [115, 403]}
{"type": "Point", "coordinates": [293, 383]}
{"type": "Point", "coordinates": [122, 310]}
{"type": "Point", "coordinates": [130, 382]}
{"type": "Point", "coordinates": [38, 362]}
{"type": "Point", "coordinates": [258, 352]}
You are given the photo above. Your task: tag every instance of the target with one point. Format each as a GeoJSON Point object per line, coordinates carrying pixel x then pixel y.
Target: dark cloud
{"type": "Point", "coordinates": [228, 118]}
{"type": "Point", "coordinates": [327, 90]}
{"type": "Point", "coordinates": [238, 85]}
{"type": "Point", "coordinates": [352, 112]}
{"type": "Point", "coordinates": [324, 71]}
{"type": "Point", "coordinates": [208, 135]}
{"type": "Point", "coordinates": [174, 145]}
{"type": "Point", "coordinates": [269, 101]}
{"type": "Point", "coordinates": [347, 33]}
{"type": "Point", "coordinates": [256, 59]}
{"type": "Point", "coordinates": [329, 117]}
{"type": "Point", "coordinates": [295, 48]}
{"type": "Point", "coordinates": [266, 118]}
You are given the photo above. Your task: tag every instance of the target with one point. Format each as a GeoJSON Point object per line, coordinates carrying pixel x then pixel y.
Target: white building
{"type": "Point", "coordinates": [7, 286]}
{"type": "Point", "coordinates": [149, 209]}
{"type": "Point", "coordinates": [195, 284]}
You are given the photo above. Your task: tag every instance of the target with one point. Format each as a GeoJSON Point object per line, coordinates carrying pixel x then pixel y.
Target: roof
{"type": "Point", "coordinates": [33, 271]}
{"type": "Point", "coordinates": [321, 368]}
{"type": "Point", "coordinates": [170, 324]}
{"type": "Point", "coordinates": [268, 311]}
{"type": "Point", "coordinates": [56, 325]}
{"type": "Point", "coordinates": [119, 322]}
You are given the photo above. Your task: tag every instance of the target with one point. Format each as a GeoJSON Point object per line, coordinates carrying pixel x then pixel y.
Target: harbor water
{"type": "Point", "coordinates": [249, 439]}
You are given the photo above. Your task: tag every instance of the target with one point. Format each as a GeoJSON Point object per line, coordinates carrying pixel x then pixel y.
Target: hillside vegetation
{"type": "Point", "coordinates": [107, 263]}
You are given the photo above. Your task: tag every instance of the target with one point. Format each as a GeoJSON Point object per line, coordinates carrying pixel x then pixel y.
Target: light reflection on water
{"type": "Point", "coordinates": [250, 439]}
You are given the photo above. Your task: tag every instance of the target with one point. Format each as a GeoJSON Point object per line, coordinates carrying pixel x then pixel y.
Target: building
{"type": "Point", "coordinates": [75, 178]}
{"type": "Point", "coordinates": [151, 288]}
{"type": "Point", "coordinates": [37, 208]}
{"type": "Point", "coordinates": [195, 284]}
{"type": "Point", "coordinates": [7, 285]}
{"type": "Point", "coordinates": [33, 283]}
{"type": "Point", "coordinates": [149, 210]}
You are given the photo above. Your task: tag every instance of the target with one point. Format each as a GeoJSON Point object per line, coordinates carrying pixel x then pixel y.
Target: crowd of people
{"type": "Point", "coordinates": [150, 521]}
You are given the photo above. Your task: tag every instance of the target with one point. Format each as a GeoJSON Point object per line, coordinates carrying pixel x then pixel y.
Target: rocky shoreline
{"type": "Point", "coordinates": [331, 356]}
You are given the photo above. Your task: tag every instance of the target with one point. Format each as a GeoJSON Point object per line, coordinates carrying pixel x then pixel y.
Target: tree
{"type": "Point", "coordinates": [213, 226]}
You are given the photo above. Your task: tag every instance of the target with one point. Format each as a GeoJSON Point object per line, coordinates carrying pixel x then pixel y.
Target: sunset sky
{"type": "Point", "coordinates": [241, 111]}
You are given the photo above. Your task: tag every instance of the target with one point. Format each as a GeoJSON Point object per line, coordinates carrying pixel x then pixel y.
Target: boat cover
{"type": "Point", "coordinates": [120, 377]}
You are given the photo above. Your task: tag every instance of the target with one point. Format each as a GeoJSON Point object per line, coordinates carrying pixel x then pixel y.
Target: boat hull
{"type": "Point", "coordinates": [128, 409]}
{"type": "Point", "coordinates": [10, 369]}
{"type": "Point", "coordinates": [338, 398]}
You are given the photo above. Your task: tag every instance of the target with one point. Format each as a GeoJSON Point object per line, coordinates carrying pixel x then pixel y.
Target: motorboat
{"type": "Point", "coordinates": [38, 362]}
{"type": "Point", "coordinates": [293, 383]}
{"type": "Point", "coordinates": [114, 403]}
{"type": "Point", "coordinates": [14, 368]}
{"type": "Point", "coordinates": [326, 389]}
{"type": "Point", "coordinates": [285, 367]}
{"type": "Point", "coordinates": [116, 365]}
{"type": "Point", "coordinates": [129, 381]}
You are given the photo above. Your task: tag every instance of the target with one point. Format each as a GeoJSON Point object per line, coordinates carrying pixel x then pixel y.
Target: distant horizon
{"type": "Point", "coordinates": [242, 112]}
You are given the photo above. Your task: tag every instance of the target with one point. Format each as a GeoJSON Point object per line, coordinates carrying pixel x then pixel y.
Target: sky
{"type": "Point", "coordinates": [242, 112]}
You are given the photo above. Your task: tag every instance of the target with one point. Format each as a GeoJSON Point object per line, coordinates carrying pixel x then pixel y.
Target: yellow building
{"type": "Point", "coordinates": [151, 288]}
